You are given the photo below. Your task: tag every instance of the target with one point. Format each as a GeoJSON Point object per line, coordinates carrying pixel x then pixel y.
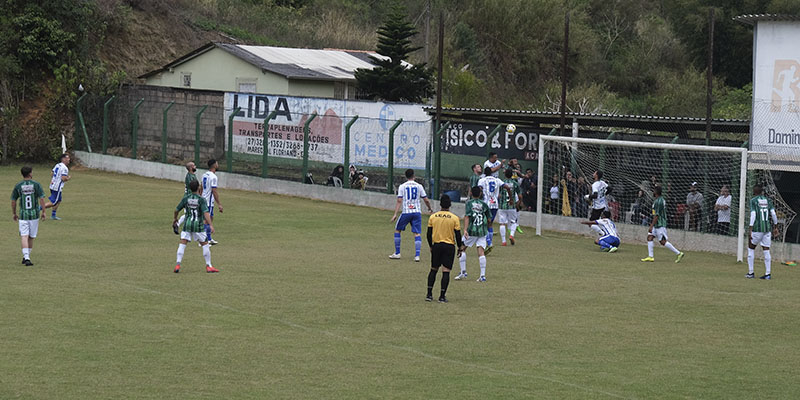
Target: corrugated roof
{"type": "Point", "coordinates": [751, 19]}
{"type": "Point", "coordinates": [432, 110]}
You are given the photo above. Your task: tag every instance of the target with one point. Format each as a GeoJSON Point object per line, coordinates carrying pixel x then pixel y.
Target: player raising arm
{"type": "Point", "coordinates": [658, 228]}
{"type": "Point", "coordinates": [761, 230]}
{"type": "Point", "coordinates": [609, 241]}
{"type": "Point", "coordinates": [491, 186]}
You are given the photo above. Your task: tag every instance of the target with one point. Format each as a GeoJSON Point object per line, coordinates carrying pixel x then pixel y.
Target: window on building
{"type": "Point", "coordinates": [186, 79]}
{"type": "Point", "coordinates": [339, 90]}
{"type": "Point", "coordinates": [246, 85]}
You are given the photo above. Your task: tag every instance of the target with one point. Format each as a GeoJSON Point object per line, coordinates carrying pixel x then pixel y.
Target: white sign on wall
{"type": "Point", "coordinates": [776, 92]}
{"type": "Point", "coordinates": [369, 135]}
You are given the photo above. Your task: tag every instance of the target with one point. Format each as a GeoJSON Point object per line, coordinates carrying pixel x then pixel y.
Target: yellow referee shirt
{"type": "Point", "coordinates": [444, 224]}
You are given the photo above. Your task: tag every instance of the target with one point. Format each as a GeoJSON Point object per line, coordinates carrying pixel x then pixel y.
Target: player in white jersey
{"type": "Point", "coordinates": [493, 164]}
{"type": "Point", "coordinates": [598, 199]}
{"type": "Point", "coordinates": [609, 239]}
{"type": "Point", "coordinates": [408, 197]}
{"type": "Point", "coordinates": [209, 183]}
{"type": "Point", "coordinates": [491, 186]}
{"type": "Point", "coordinates": [58, 179]}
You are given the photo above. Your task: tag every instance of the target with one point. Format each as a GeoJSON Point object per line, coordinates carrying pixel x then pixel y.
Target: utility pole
{"type": "Point", "coordinates": [427, 32]}
{"type": "Point", "coordinates": [437, 140]}
{"type": "Point", "coordinates": [564, 73]}
{"type": "Point", "coordinates": [710, 74]}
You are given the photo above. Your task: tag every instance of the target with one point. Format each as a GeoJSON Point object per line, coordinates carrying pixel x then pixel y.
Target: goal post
{"type": "Point", "coordinates": [685, 172]}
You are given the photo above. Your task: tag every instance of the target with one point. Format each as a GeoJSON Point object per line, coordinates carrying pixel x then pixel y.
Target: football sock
{"type": "Point", "coordinates": [396, 243]}
{"type": "Point", "coordinates": [768, 261]}
{"type": "Point", "coordinates": [431, 281]}
{"type": "Point", "coordinates": [417, 245]}
{"type": "Point", "coordinates": [181, 249]}
{"type": "Point", "coordinates": [482, 260]}
{"type": "Point", "coordinates": [672, 248]}
{"type": "Point", "coordinates": [181, 219]}
{"type": "Point", "coordinates": [26, 254]}
{"type": "Point", "coordinates": [462, 261]}
{"type": "Point", "coordinates": [511, 229]}
{"type": "Point", "coordinates": [599, 231]}
{"type": "Point", "coordinates": [751, 255]}
{"type": "Point", "coordinates": [503, 233]}
{"type": "Point", "coordinates": [445, 282]}
{"type": "Point", "coordinates": [208, 232]}
{"type": "Point", "coordinates": [207, 253]}
{"type": "Point", "coordinates": [489, 237]}
{"type": "Point", "coordinates": [53, 214]}
{"type": "Point", "coordinates": [650, 248]}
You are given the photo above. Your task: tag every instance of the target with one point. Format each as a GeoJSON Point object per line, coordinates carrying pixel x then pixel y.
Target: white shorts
{"type": "Point", "coordinates": [507, 216]}
{"type": "Point", "coordinates": [199, 237]}
{"type": "Point", "coordinates": [475, 241]}
{"type": "Point", "coordinates": [29, 227]}
{"type": "Point", "coordinates": [763, 239]}
{"type": "Point", "coordinates": [660, 233]}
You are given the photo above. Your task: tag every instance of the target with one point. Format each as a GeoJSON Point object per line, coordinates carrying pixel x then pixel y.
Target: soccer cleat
{"type": "Point", "coordinates": [212, 242]}
{"type": "Point", "coordinates": [460, 276]}
{"type": "Point", "coordinates": [750, 276]}
{"type": "Point", "coordinates": [23, 261]}
{"type": "Point", "coordinates": [211, 269]}
{"type": "Point", "coordinates": [177, 269]}
{"type": "Point", "coordinates": [766, 277]}
{"type": "Point", "coordinates": [416, 259]}
{"type": "Point", "coordinates": [481, 279]}
{"type": "Point", "coordinates": [648, 259]}
{"type": "Point", "coordinates": [488, 250]}
{"type": "Point", "coordinates": [511, 239]}
{"type": "Point", "coordinates": [175, 228]}
{"type": "Point", "coordinates": [429, 297]}
{"type": "Point", "coordinates": [442, 299]}
{"type": "Point", "coordinates": [395, 256]}
{"type": "Point", "coordinates": [679, 257]}
{"type": "Point", "coordinates": [30, 264]}
{"type": "Point", "coordinates": [613, 250]}
{"type": "Point", "coordinates": [503, 244]}
{"type": "Point", "coordinates": [519, 230]}
{"type": "Point", "coordinates": [55, 218]}
{"type": "Point", "coordinates": [604, 249]}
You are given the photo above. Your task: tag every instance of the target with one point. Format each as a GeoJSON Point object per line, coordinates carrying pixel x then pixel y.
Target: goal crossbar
{"type": "Point", "coordinates": [743, 152]}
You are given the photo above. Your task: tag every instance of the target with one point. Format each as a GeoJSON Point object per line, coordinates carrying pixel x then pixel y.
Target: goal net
{"type": "Point", "coordinates": [702, 186]}
{"type": "Point", "coordinates": [761, 170]}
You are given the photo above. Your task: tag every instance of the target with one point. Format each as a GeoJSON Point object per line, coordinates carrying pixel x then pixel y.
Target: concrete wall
{"type": "Point", "coordinates": [691, 241]}
{"type": "Point", "coordinates": [311, 88]}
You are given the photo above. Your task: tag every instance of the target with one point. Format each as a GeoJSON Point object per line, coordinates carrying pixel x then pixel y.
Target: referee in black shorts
{"type": "Point", "coordinates": [444, 233]}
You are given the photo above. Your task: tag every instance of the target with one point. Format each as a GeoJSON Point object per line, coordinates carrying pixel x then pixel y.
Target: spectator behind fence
{"type": "Point", "coordinates": [555, 204]}
{"type": "Point", "coordinates": [572, 192]}
{"type": "Point", "coordinates": [360, 181]}
{"type": "Point", "coordinates": [352, 175]}
{"type": "Point", "coordinates": [694, 203]}
{"type": "Point", "coordinates": [581, 191]}
{"type": "Point", "coordinates": [528, 187]}
{"type": "Point", "coordinates": [723, 209]}
{"type": "Point", "coordinates": [337, 177]}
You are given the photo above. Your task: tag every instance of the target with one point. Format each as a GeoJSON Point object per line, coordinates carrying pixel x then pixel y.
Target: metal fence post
{"type": "Point", "coordinates": [347, 149]}
{"type": "Point", "coordinates": [390, 163]}
{"type": "Point", "coordinates": [79, 120]}
{"type": "Point", "coordinates": [437, 166]}
{"type": "Point", "coordinates": [164, 133]}
{"type": "Point", "coordinates": [230, 138]}
{"type": "Point", "coordinates": [197, 134]}
{"type": "Point", "coordinates": [135, 128]}
{"type": "Point", "coordinates": [491, 136]}
{"type": "Point", "coordinates": [265, 144]}
{"type": "Point", "coordinates": [105, 123]}
{"type": "Point", "coordinates": [665, 166]}
{"type": "Point", "coordinates": [306, 132]}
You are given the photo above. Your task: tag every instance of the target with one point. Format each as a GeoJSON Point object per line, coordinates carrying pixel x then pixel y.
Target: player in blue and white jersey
{"type": "Point", "coordinates": [491, 186]}
{"type": "Point", "coordinates": [58, 179]}
{"type": "Point", "coordinates": [408, 197]}
{"type": "Point", "coordinates": [608, 240]}
{"type": "Point", "coordinates": [209, 184]}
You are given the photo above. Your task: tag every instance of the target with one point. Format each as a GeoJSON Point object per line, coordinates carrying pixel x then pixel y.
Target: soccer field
{"type": "Point", "coordinates": [308, 306]}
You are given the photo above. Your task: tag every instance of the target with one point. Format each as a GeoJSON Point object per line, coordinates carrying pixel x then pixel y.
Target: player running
{"type": "Point", "coordinates": [190, 176]}
{"type": "Point", "coordinates": [761, 230]}
{"type": "Point", "coordinates": [658, 228]}
{"type": "Point", "coordinates": [196, 212]}
{"type": "Point", "coordinates": [508, 214]}
{"type": "Point", "coordinates": [408, 196]}
{"type": "Point", "coordinates": [31, 205]}
{"type": "Point", "coordinates": [598, 199]}
{"type": "Point", "coordinates": [444, 234]}
{"type": "Point", "coordinates": [491, 186]}
{"type": "Point", "coordinates": [210, 195]}
{"type": "Point", "coordinates": [476, 220]}
{"type": "Point", "coordinates": [59, 178]}
{"type": "Point", "coordinates": [609, 241]}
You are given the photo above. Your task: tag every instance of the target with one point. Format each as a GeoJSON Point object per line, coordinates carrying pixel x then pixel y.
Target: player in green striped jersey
{"type": "Point", "coordinates": [507, 215]}
{"type": "Point", "coordinates": [197, 216]}
{"type": "Point", "coordinates": [190, 177]}
{"type": "Point", "coordinates": [30, 195]}
{"type": "Point", "coordinates": [763, 225]}
{"type": "Point", "coordinates": [658, 228]}
{"type": "Point", "coordinates": [477, 174]}
{"type": "Point", "coordinates": [477, 218]}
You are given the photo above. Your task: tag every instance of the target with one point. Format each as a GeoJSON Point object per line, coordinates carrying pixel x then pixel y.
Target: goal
{"type": "Point", "coordinates": [693, 179]}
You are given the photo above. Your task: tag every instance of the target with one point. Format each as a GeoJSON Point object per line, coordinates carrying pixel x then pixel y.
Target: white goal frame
{"type": "Point", "coordinates": [663, 146]}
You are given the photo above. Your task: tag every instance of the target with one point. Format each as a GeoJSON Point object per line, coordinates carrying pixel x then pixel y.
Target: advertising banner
{"type": "Point", "coordinates": [471, 138]}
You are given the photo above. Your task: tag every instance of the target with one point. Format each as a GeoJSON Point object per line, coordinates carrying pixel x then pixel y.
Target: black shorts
{"type": "Point", "coordinates": [442, 254]}
{"type": "Point", "coordinates": [596, 214]}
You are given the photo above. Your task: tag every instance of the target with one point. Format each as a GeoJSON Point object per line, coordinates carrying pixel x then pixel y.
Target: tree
{"type": "Point", "coordinates": [392, 78]}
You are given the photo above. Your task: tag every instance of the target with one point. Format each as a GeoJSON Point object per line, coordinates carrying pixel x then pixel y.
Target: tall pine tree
{"type": "Point", "coordinates": [391, 79]}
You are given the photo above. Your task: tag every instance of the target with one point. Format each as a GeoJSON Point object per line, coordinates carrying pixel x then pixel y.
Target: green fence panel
{"type": "Point", "coordinates": [390, 163]}
{"type": "Point", "coordinates": [105, 123]}
{"type": "Point", "coordinates": [164, 133]}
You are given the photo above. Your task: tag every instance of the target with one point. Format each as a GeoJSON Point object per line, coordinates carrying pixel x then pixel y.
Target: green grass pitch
{"type": "Point", "coordinates": [308, 306]}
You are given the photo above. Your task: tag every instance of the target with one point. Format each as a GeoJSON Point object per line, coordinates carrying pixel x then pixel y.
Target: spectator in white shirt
{"type": "Point", "coordinates": [723, 209]}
